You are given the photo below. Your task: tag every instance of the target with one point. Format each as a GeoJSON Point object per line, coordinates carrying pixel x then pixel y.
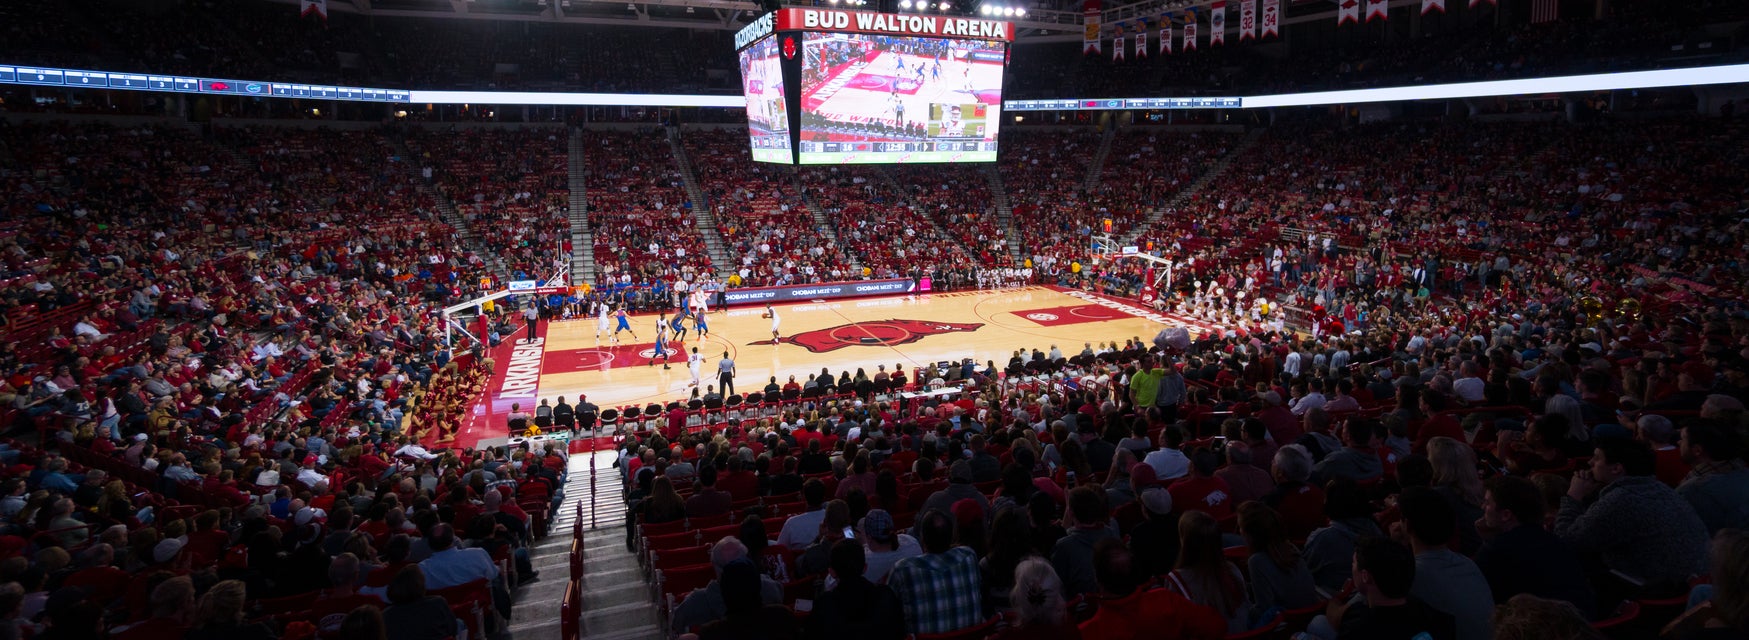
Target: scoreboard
{"type": "Point", "coordinates": [829, 86]}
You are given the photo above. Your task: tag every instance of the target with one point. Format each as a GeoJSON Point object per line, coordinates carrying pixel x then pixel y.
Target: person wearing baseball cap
{"type": "Point", "coordinates": [883, 544]}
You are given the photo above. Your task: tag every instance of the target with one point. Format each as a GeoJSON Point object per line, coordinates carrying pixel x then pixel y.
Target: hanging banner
{"type": "Point", "coordinates": [1189, 32]}
{"type": "Point", "coordinates": [1380, 9]}
{"type": "Point", "coordinates": [1272, 18]}
{"type": "Point", "coordinates": [1347, 11]}
{"type": "Point", "coordinates": [1117, 45]}
{"type": "Point", "coordinates": [1090, 30]}
{"type": "Point", "coordinates": [318, 7]}
{"type": "Point", "coordinates": [1166, 35]}
{"type": "Point", "coordinates": [1247, 19]}
{"type": "Point", "coordinates": [1142, 42]}
{"type": "Point", "coordinates": [1218, 23]}
{"type": "Point", "coordinates": [1428, 6]}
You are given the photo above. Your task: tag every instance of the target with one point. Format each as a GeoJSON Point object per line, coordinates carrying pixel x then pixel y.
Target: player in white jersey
{"type": "Point", "coordinates": [601, 323]}
{"type": "Point", "coordinates": [661, 349]}
{"type": "Point", "coordinates": [694, 363]}
{"type": "Point", "coordinates": [772, 313]}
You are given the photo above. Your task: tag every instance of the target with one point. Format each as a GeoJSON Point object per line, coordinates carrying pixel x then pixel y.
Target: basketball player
{"type": "Point", "coordinates": [625, 324]}
{"type": "Point", "coordinates": [966, 79]}
{"type": "Point", "coordinates": [661, 342]}
{"type": "Point", "coordinates": [951, 124]}
{"type": "Point", "coordinates": [601, 309]}
{"type": "Point", "coordinates": [693, 364]}
{"type": "Point", "coordinates": [679, 327]}
{"type": "Point", "coordinates": [772, 313]}
{"type": "Point", "coordinates": [704, 330]}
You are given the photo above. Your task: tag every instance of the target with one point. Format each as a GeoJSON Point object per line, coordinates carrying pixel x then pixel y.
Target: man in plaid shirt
{"type": "Point", "coordinates": [942, 589]}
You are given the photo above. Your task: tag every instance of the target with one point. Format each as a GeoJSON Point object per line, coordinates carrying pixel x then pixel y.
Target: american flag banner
{"type": "Point", "coordinates": [1218, 23]}
{"type": "Point", "coordinates": [1380, 9]}
{"type": "Point", "coordinates": [1347, 11]}
{"type": "Point", "coordinates": [1542, 11]}
{"type": "Point", "coordinates": [1271, 18]}
{"type": "Point", "coordinates": [1247, 19]}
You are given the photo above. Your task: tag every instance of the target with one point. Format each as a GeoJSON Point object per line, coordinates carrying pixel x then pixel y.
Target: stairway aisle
{"type": "Point", "coordinates": [582, 237]}
{"type": "Point", "coordinates": [823, 224]}
{"type": "Point", "coordinates": [1096, 166]}
{"type": "Point", "coordinates": [1004, 211]}
{"type": "Point", "coordinates": [451, 214]}
{"type": "Point", "coordinates": [1184, 195]}
{"type": "Point", "coordinates": [723, 260]}
{"type": "Point", "coordinates": [616, 597]}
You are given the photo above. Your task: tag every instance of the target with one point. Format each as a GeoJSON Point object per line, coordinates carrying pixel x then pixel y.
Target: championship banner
{"type": "Point", "coordinates": [1189, 32]}
{"type": "Point", "coordinates": [1148, 292]}
{"type": "Point", "coordinates": [1347, 11]}
{"type": "Point", "coordinates": [1428, 6]}
{"type": "Point", "coordinates": [1380, 9]}
{"type": "Point", "coordinates": [318, 7]}
{"type": "Point", "coordinates": [1142, 42]}
{"type": "Point", "coordinates": [1247, 19]}
{"type": "Point", "coordinates": [1271, 18]}
{"type": "Point", "coordinates": [1090, 29]}
{"type": "Point", "coordinates": [1218, 23]}
{"type": "Point", "coordinates": [1117, 45]}
{"type": "Point", "coordinates": [1166, 35]}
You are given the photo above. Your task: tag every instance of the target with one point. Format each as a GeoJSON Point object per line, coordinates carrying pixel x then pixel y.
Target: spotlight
{"type": "Point", "coordinates": [984, 10]}
{"type": "Point", "coordinates": [945, 6]}
{"type": "Point", "coordinates": [1020, 12]}
{"type": "Point", "coordinates": [904, 4]}
{"type": "Point", "coordinates": [1008, 11]}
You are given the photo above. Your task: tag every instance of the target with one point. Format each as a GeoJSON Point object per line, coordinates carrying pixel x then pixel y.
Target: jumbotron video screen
{"type": "Point", "coordinates": [767, 119]}
{"type": "Point", "coordinates": [895, 99]}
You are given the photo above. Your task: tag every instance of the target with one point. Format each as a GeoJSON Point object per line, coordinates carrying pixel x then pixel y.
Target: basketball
{"type": "Point", "coordinates": [766, 315]}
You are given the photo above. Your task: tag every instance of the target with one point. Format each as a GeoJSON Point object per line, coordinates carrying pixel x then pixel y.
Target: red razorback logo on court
{"type": "Point", "coordinates": [877, 333]}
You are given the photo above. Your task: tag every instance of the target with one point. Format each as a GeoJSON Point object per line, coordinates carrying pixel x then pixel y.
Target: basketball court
{"type": "Point", "coordinates": [568, 360]}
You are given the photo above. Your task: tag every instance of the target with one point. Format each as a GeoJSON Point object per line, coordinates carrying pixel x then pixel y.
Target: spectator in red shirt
{"type": "Point", "coordinates": [1128, 612]}
{"type": "Point", "coordinates": [739, 482]}
{"type": "Point", "coordinates": [1300, 503]}
{"type": "Point", "coordinates": [1202, 491]}
{"type": "Point", "coordinates": [1436, 424]}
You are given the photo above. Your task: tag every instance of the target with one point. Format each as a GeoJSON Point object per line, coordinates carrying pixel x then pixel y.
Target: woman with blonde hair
{"type": "Point", "coordinates": [219, 616]}
{"type": "Point", "coordinates": [1037, 599]}
{"type": "Point", "coordinates": [1455, 477]}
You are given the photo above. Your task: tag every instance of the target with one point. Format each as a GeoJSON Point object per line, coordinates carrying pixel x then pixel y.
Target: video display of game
{"type": "Point", "coordinates": [894, 99]}
{"type": "Point", "coordinates": [762, 84]}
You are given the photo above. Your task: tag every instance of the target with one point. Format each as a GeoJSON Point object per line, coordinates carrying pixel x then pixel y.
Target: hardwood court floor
{"type": "Point", "coordinates": [897, 331]}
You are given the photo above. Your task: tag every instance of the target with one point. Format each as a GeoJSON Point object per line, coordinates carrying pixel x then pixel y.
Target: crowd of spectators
{"type": "Point", "coordinates": [231, 369]}
{"type": "Point", "coordinates": [879, 223]}
{"type": "Point", "coordinates": [958, 197]}
{"type": "Point", "coordinates": [638, 211]}
{"type": "Point", "coordinates": [511, 187]}
{"type": "Point", "coordinates": [1044, 173]}
{"type": "Point", "coordinates": [761, 215]}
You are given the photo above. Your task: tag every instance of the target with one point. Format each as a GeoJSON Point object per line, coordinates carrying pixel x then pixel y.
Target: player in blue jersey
{"type": "Point", "coordinates": [661, 343]}
{"type": "Point", "coordinates": [704, 330]}
{"type": "Point", "coordinates": [679, 327]}
{"type": "Point", "coordinates": [624, 325]}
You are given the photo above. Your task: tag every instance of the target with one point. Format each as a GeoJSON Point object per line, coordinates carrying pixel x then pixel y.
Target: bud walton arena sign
{"type": "Point", "coordinates": [871, 22]}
